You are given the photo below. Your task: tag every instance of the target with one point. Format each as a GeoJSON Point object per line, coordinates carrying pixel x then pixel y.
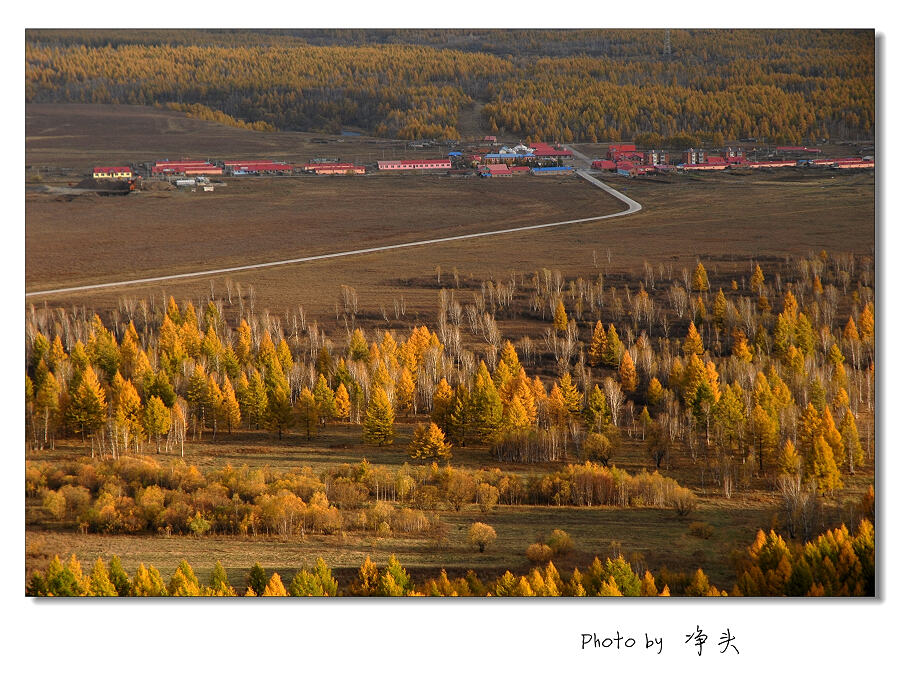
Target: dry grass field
{"type": "Point", "coordinates": [722, 218]}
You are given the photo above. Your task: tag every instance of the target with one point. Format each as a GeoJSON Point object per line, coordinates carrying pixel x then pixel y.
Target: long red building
{"type": "Point", "coordinates": [258, 167]}
{"type": "Point", "coordinates": [416, 164]}
{"type": "Point", "coordinates": [186, 168]}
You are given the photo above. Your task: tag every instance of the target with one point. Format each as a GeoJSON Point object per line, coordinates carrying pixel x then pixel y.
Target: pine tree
{"type": "Point", "coordinates": [148, 582]}
{"type": "Point", "coordinates": [789, 462]}
{"type": "Point", "coordinates": [854, 457]}
{"type": "Point", "coordinates": [230, 408]}
{"type": "Point", "coordinates": [218, 582]}
{"type": "Point", "coordinates": [823, 467]}
{"type": "Point", "coordinates": [157, 419]}
{"type": "Point", "coordinates": [184, 582]}
{"type": "Point", "coordinates": [275, 587]}
{"type": "Point", "coordinates": [281, 413]}
{"type": "Point", "coordinates": [720, 308]}
{"type": "Point", "coordinates": [757, 280]}
{"type": "Point", "coordinates": [366, 583]}
{"type": "Point", "coordinates": [655, 392]}
{"type": "Point", "coordinates": [405, 392]}
{"type": "Point", "coordinates": [325, 399]}
{"type": "Point", "coordinates": [307, 413]}
{"type": "Point", "coordinates": [359, 348]}
{"type": "Point", "coordinates": [487, 407]}
{"type": "Point", "coordinates": [572, 397]}
{"type": "Point", "coordinates": [257, 579]}
{"type": "Point", "coordinates": [341, 402]}
{"type": "Point", "coordinates": [119, 577]}
{"type": "Point", "coordinates": [88, 406]}
{"type": "Point", "coordinates": [699, 280]}
{"type": "Point", "coordinates": [244, 347]}
{"type": "Point", "coordinates": [693, 344]}
{"type": "Point", "coordinates": [596, 411]}
{"type": "Point", "coordinates": [560, 318]}
{"type": "Point", "coordinates": [510, 358]}
{"type": "Point", "coordinates": [741, 349]}
{"type": "Point", "coordinates": [442, 405]}
{"type": "Point", "coordinates": [378, 427]}
{"type": "Point", "coordinates": [100, 582]}
{"type": "Point", "coordinates": [614, 348]}
{"type": "Point", "coordinates": [627, 373]}
{"type": "Point", "coordinates": [256, 401]}
{"type": "Point", "coordinates": [598, 345]}
{"type": "Point", "coordinates": [428, 443]}
{"type": "Point", "coordinates": [462, 416]}
{"type": "Point", "coordinates": [765, 435]}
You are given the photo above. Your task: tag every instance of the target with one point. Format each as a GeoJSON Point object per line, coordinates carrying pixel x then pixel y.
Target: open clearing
{"type": "Point", "coordinates": [725, 217]}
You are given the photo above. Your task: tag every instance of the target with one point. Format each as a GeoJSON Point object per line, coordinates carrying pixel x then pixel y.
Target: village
{"type": "Point", "coordinates": [486, 158]}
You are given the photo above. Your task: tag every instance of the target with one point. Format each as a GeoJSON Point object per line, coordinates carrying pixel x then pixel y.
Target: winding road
{"type": "Point", "coordinates": [633, 207]}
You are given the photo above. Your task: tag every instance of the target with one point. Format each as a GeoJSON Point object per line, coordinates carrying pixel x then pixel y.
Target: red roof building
{"type": "Point", "coordinates": [498, 169]}
{"type": "Point", "coordinates": [185, 168]}
{"type": "Point", "coordinates": [416, 164]}
{"type": "Point", "coordinates": [542, 150]}
{"type": "Point", "coordinates": [258, 167]}
{"type": "Point", "coordinates": [334, 169]}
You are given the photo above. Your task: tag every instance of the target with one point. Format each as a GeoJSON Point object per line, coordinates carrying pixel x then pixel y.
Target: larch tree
{"type": "Point", "coordinates": [699, 280]}
{"type": "Point", "coordinates": [378, 427]}
{"type": "Point", "coordinates": [597, 348]}
{"type": "Point", "coordinates": [627, 373]}
{"type": "Point", "coordinates": [157, 419]}
{"type": "Point", "coordinates": [823, 467]}
{"type": "Point", "coordinates": [405, 392]}
{"type": "Point", "coordinates": [442, 405]}
{"type": "Point", "coordinates": [560, 318]}
{"type": "Point", "coordinates": [614, 348]}
{"type": "Point", "coordinates": [854, 456]}
{"type": "Point", "coordinates": [87, 408]}
{"type": "Point", "coordinates": [230, 408]}
{"type": "Point", "coordinates": [275, 587]}
{"type": "Point", "coordinates": [325, 400]}
{"type": "Point", "coordinates": [693, 344]}
{"type": "Point", "coordinates": [428, 442]}
{"type": "Point", "coordinates": [307, 413]}
{"type": "Point", "coordinates": [359, 347]}
{"type": "Point", "coordinates": [281, 414]}
{"type": "Point", "coordinates": [341, 402]}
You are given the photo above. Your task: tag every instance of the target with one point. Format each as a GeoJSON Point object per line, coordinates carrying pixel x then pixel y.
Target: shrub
{"type": "Point", "coordinates": [560, 542]}
{"type": "Point", "coordinates": [684, 502]}
{"type": "Point", "coordinates": [539, 553]}
{"type": "Point", "coordinates": [700, 529]}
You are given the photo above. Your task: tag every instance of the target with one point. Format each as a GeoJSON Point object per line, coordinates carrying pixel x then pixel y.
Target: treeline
{"type": "Point", "coordinates": [836, 563]}
{"type": "Point", "coordinates": [131, 495]}
{"type": "Point", "coordinates": [398, 91]}
{"type": "Point", "coordinates": [783, 86]}
{"type": "Point", "coordinates": [204, 113]}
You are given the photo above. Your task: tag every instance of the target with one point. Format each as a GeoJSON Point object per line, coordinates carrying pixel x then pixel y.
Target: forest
{"type": "Point", "coordinates": [788, 86]}
{"type": "Point", "coordinates": [727, 383]}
